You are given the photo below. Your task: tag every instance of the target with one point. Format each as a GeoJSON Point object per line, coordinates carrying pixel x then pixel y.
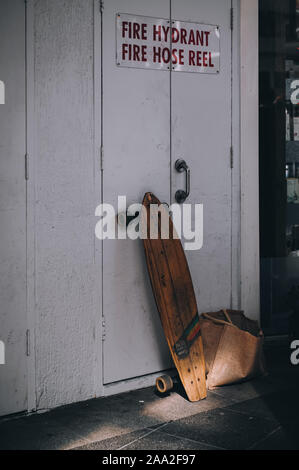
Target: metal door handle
{"type": "Point", "coordinates": [181, 195]}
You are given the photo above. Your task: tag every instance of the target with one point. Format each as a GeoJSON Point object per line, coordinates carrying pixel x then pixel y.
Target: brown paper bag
{"type": "Point", "coordinates": [233, 347]}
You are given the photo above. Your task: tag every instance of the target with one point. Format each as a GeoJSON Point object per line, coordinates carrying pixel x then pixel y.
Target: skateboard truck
{"type": "Point", "coordinates": [181, 348]}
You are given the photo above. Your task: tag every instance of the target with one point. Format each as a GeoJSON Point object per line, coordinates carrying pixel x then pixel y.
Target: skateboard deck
{"type": "Point", "coordinates": [175, 299]}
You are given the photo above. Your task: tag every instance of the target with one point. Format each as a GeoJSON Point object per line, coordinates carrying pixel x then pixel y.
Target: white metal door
{"type": "Point", "coordinates": [201, 135]}
{"type": "Point", "coordinates": [13, 374]}
{"type": "Point", "coordinates": [136, 139]}
{"type": "Point", "coordinates": [151, 118]}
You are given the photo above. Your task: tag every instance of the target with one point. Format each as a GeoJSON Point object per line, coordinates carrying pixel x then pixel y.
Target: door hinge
{"type": "Point", "coordinates": [103, 329]}
{"type": "Point", "coordinates": [27, 342]}
{"type": "Point", "coordinates": [231, 152]}
{"type": "Point", "coordinates": [102, 157]}
{"type": "Point", "coordinates": [26, 166]}
{"type": "Point", "coordinates": [101, 3]}
{"type": "Point", "coordinates": [231, 18]}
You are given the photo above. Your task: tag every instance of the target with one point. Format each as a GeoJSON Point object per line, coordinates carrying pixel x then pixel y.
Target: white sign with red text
{"type": "Point", "coordinates": [153, 43]}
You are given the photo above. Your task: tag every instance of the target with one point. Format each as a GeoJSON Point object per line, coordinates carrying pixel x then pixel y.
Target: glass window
{"type": "Point", "coordinates": [279, 164]}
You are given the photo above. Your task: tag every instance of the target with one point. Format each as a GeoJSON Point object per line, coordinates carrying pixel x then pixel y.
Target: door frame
{"type": "Point", "coordinates": [249, 159]}
{"type": "Point", "coordinates": [238, 298]}
{"type": "Point", "coordinates": [18, 329]}
{"type": "Point", "coordinates": [98, 155]}
{"type": "Point", "coordinates": [245, 204]}
{"type": "Point", "coordinates": [30, 203]}
{"type": "Point", "coordinates": [235, 159]}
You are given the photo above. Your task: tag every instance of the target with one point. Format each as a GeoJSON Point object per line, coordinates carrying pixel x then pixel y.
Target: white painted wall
{"type": "Point", "coordinates": [67, 274]}
{"type": "Point", "coordinates": [250, 262]}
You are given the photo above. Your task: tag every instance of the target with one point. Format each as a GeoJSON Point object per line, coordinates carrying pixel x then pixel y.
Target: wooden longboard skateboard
{"type": "Point", "coordinates": [174, 294]}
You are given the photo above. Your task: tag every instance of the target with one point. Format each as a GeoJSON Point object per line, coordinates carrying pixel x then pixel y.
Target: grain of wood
{"type": "Point", "coordinates": [175, 299]}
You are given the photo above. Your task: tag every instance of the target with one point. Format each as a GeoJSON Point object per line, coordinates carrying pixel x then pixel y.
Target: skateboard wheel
{"type": "Point", "coordinates": [164, 383]}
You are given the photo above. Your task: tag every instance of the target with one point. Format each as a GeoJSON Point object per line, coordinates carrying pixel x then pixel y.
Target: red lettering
{"type": "Point", "coordinates": [136, 50]}
{"type": "Point", "coordinates": [199, 38]}
{"type": "Point", "coordinates": [130, 30]}
{"type": "Point", "coordinates": [191, 38]}
{"type": "Point", "coordinates": [183, 36]}
{"type": "Point", "coordinates": [144, 31]}
{"type": "Point", "coordinates": [204, 56]}
{"type": "Point", "coordinates": [166, 55]}
{"type": "Point", "coordinates": [143, 53]}
{"type": "Point", "coordinates": [210, 60]}
{"type": "Point", "coordinates": [161, 56]}
{"type": "Point", "coordinates": [165, 30]}
{"type": "Point", "coordinates": [181, 56]}
{"type": "Point", "coordinates": [207, 34]}
{"type": "Point", "coordinates": [157, 54]}
{"type": "Point", "coordinates": [198, 59]}
{"type": "Point", "coordinates": [156, 33]}
{"type": "Point", "coordinates": [124, 51]}
{"type": "Point", "coordinates": [174, 56]}
{"type": "Point", "coordinates": [175, 35]}
{"type": "Point", "coordinates": [124, 28]}
{"type": "Point", "coordinates": [191, 58]}
{"type": "Point", "coordinates": [136, 29]}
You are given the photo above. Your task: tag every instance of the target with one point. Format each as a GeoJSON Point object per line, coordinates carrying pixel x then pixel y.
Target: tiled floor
{"type": "Point", "coordinates": [260, 414]}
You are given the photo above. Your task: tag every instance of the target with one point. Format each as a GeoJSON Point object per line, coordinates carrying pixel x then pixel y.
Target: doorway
{"type": "Point", "coordinates": [150, 119]}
